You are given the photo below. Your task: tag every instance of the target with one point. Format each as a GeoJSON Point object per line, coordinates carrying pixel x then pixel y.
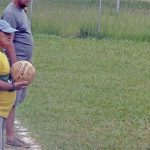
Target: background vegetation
{"type": "Point", "coordinates": [79, 18]}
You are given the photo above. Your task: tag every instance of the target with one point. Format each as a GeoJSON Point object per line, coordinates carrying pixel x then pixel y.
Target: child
{"type": "Point", "coordinates": [7, 87]}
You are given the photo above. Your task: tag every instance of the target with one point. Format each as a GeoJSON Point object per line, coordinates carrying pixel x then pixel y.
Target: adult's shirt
{"type": "Point", "coordinates": [23, 39]}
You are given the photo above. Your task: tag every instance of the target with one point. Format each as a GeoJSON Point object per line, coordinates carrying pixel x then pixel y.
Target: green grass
{"type": "Point", "coordinates": [89, 94]}
{"type": "Point", "coordinates": [80, 19]}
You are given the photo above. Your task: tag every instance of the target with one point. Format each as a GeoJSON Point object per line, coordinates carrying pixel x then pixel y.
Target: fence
{"type": "Point", "coordinates": [119, 19]}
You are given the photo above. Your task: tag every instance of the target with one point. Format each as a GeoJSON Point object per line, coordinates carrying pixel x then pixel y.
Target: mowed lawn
{"type": "Point", "coordinates": [89, 94]}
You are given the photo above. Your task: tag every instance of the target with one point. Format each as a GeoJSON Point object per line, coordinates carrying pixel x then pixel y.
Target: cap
{"type": "Point", "coordinates": [5, 27]}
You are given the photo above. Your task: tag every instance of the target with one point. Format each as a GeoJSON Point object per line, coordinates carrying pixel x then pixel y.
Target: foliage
{"type": "Point", "coordinates": [79, 18]}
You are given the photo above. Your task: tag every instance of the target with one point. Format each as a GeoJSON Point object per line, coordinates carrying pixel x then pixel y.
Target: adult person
{"type": "Point", "coordinates": [7, 87]}
{"type": "Point", "coordinates": [23, 42]}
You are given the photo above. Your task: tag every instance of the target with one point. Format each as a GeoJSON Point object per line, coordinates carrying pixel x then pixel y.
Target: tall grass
{"type": "Point", "coordinates": [81, 19]}
{"type": "Point", "coordinates": [63, 19]}
{"type": "Point", "coordinates": [126, 25]}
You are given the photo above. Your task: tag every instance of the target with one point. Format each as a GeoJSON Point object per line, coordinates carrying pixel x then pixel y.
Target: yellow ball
{"type": "Point", "coordinates": [23, 71]}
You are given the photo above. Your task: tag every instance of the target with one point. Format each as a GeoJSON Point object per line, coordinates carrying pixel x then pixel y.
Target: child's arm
{"type": "Point", "coordinates": [4, 86]}
{"type": "Point", "coordinates": [11, 54]}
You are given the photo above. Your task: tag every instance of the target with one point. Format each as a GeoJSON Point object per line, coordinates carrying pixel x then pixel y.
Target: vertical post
{"type": "Point", "coordinates": [118, 6]}
{"type": "Point", "coordinates": [99, 16]}
{"type": "Point", "coordinates": [30, 17]}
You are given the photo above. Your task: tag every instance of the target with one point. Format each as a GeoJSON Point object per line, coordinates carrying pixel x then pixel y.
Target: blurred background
{"type": "Point", "coordinates": [119, 19]}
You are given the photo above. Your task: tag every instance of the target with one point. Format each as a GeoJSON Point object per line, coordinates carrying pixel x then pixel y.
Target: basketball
{"type": "Point", "coordinates": [23, 71]}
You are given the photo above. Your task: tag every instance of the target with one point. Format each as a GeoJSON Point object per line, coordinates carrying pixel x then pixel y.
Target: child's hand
{"type": "Point", "coordinates": [20, 85]}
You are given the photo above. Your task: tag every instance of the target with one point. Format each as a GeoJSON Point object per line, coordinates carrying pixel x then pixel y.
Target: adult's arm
{"type": "Point", "coordinates": [11, 19]}
{"type": "Point", "coordinates": [11, 54]}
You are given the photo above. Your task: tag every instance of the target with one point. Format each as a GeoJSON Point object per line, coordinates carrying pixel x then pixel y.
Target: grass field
{"type": "Point", "coordinates": [89, 94]}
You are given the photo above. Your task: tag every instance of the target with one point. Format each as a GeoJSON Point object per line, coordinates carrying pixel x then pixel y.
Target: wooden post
{"type": "Point", "coordinates": [99, 16]}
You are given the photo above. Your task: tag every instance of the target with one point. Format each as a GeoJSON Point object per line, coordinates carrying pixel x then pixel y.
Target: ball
{"type": "Point", "coordinates": [23, 71]}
